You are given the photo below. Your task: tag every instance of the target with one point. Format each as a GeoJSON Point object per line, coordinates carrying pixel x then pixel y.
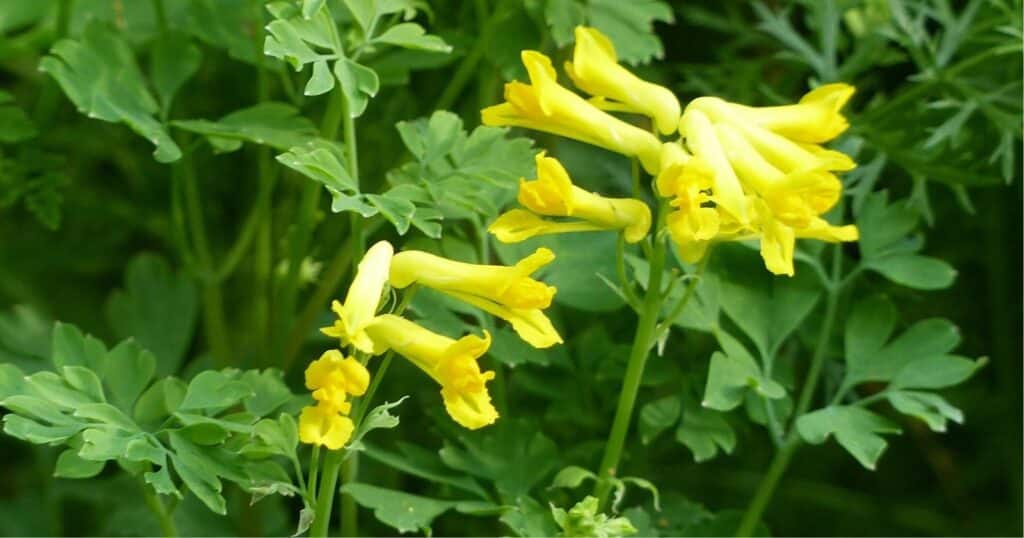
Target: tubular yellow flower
{"type": "Point", "coordinates": [506, 292]}
{"type": "Point", "coordinates": [595, 69]}
{"type": "Point", "coordinates": [544, 105]}
{"type": "Point", "coordinates": [703, 141]}
{"type": "Point", "coordinates": [509, 286]}
{"type": "Point", "coordinates": [518, 225]}
{"type": "Point", "coordinates": [322, 425]}
{"type": "Point", "coordinates": [452, 363]}
{"type": "Point", "coordinates": [553, 194]}
{"type": "Point", "coordinates": [778, 240]}
{"type": "Point", "coordinates": [815, 119]}
{"type": "Point", "coordinates": [363, 298]}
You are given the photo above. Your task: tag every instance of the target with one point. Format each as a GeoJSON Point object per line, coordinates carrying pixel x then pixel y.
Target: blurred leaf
{"type": "Point", "coordinates": [156, 307]}
{"type": "Point", "coordinates": [915, 271]}
{"type": "Point", "coordinates": [658, 416]}
{"type": "Point", "coordinates": [277, 125]}
{"type": "Point", "coordinates": [174, 60]}
{"type": "Point", "coordinates": [99, 74]}
{"type": "Point", "coordinates": [933, 409]}
{"type": "Point", "coordinates": [705, 433]}
{"type": "Point", "coordinates": [410, 35]}
{"type": "Point", "coordinates": [402, 511]}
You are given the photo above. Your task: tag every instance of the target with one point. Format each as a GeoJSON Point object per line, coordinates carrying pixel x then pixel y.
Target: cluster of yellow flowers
{"type": "Point", "coordinates": [506, 292]}
{"type": "Point", "coordinates": [733, 173]}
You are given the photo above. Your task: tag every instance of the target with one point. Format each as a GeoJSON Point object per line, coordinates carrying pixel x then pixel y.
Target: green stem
{"type": "Point", "coordinates": [468, 66]}
{"type": "Point", "coordinates": [642, 342]}
{"type": "Point", "coordinates": [163, 516]}
{"type": "Point", "coordinates": [818, 360]}
{"type": "Point", "coordinates": [214, 323]}
{"type": "Point", "coordinates": [314, 470]}
{"type": "Point", "coordinates": [325, 494]}
{"type": "Point", "coordinates": [349, 512]}
{"type": "Point", "coordinates": [784, 454]}
{"type": "Point", "coordinates": [766, 488]}
{"type": "Point", "coordinates": [620, 269]}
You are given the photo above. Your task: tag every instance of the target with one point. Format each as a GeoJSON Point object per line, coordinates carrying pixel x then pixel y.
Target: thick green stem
{"type": "Point", "coordinates": [780, 462]}
{"type": "Point", "coordinates": [642, 342]}
{"type": "Point", "coordinates": [349, 512]}
{"type": "Point", "coordinates": [325, 494]}
{"type": "Point", "coordinates": [163, 515]}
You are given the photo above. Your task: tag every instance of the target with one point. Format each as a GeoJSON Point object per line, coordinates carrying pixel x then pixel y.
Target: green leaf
{"type": "Point", "coordinates": [705, 433]}
{"type": "Point", "coordinates": [630, 26]}
{"type": "Point", "coordinates": [269, 391]}
{"type": "Point", "coordinates": [363, 11]}
{"type": "Point", "coordinates": [562, 17]}
{"type": "Point", "coordinates": [162, 482]}
{"type": "Point", "coordinates": [159, 401]}
{"type": "Point", "coordinates": [212, 389]}
{"type": "Point", "coordinates": [102, 443]}
{"type": "Point", "coordinates": [731, 376]}
{"type": "Point", "coordinates": [311, 7]}
{"type": "Point", "coordinates": [71, 348]}
{"type": "Point", "coordinates": [869, 327]}
{"type": "Point", "coordinates": [358, 82]}
{"type": "Point", "coordinates": [71, 465]}
{"type": "Point", "coordinates": [915, 271]}
{"type": "Point", "coordinates": [277, 125]}
{"type": "Point", "coordinates": [935, 372]}
{"type": "Point", "coordinates": [410, 35]}
{"type": "Point", "coordinates": [571, 477]}
{"type": "Point", "coordinates": [529, 518]}
{"type": "Point", "coordinates": [884, 227]}
{"type": "Point", "coordinates": [29, 430]}
{"type": "Point", "coordinates": [931, 408]}
{"type": "Point", "coordinates": [855, 428]}
{"type": "Point", "coordinates": [127, 372]}
{"type": "Point", "coordinates": [512, 454]}
{"type": "Point", "coordinates": [295, 39]}
{"type": "Point", "coordinates": [84, 381]}
{"type": "Point", "coordinates": [322, 161]}
{"type": "Point", "coordinates": [379, 417]}
{"type": "Point", "coordinates": [768, 308]}
{"type": "Point", "coordinates": [279, 436]}
{"type": "Point", "coordinates": [928, 338]}
{"type": "Point", "coordinates": [100, 76]}
{"type": "Point", "coordinates": [398, 211]}
{"type": "Point", "coordinates": [658, 416]}
{"type": "Point", "coordinates": [402, 511]}
{"type": "Point", "coordinates": [106, 414]}
{"type": "Point", "coordinates": [174, 60]}
{"type": "Point", "coordinates": [418, 461]}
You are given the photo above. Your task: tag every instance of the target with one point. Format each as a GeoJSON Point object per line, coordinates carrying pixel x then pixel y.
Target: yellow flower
{"type": "Point", "coordinates": [703, 141]}
{"type": "Point", "coordinates": [595, 69]}
{"type": "Point", "coordinates": [778, 240]}
{"type": "Point", "coordinates": [322, 425]}
{"type": "Point", "coordinates": [363, 298]}
{"type": "Point", "coordinates": [506, 292]}
{"type": "Point", "coordinates": [544, 105]}
{"type": "Point", "coordinates": [553, 194]}
{"type": "Point", "coordinates": [696, 221]}
{"type": "Point", "coordinates": [452, 363]}
{"type": "Point", "coordinates": [815, 119]}
{"type": "Point", "coordinates": [333, 377]}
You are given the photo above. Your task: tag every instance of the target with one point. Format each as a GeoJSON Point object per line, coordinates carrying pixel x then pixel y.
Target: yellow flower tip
{"type": "Point", "coordinates": [472, 410]}
{"type": "Point", "coordinates": [551, 193]}
{"type": "Point", "coordinates": [524, 292]}
{"type": "Point", "coordinates": [777, 244]}
{"type": "Point", "coordinates": [318, 425]}
{"type": "Point", "coordinates": [318, 372]}
{"type": "Point", "coordinates": [517, 225]}
{"type": "Point", "coordinates": [639, 221]}
{"type": "Point", "coordinates": [595, 69]}
{"type": "Point", "coordinates": [834, 95]}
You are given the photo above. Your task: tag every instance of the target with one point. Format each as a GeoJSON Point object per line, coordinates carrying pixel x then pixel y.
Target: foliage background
{"type": "Point", "coordinates": [81, 198]}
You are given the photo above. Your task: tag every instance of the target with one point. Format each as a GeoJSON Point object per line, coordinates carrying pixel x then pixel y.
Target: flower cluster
{"type": "Point", "coordinates": [509, 293]}
{"type": "Point", "coordinates": [733, 172]}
